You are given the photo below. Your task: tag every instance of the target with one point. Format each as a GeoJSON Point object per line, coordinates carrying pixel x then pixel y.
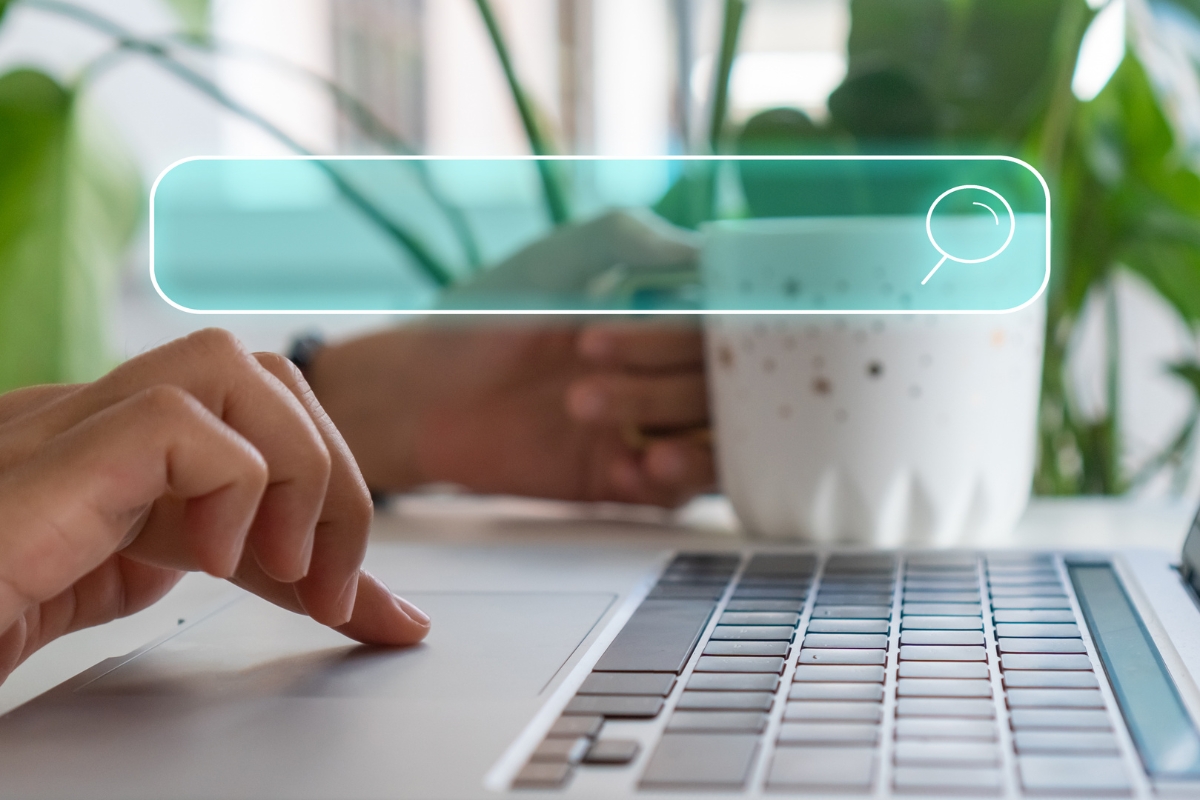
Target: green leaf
{"type": "Point", "coordinates": [1189, 372]}
{"type": "Point", "coordinates": [4, 4]}
{"type": "Point", "coordinates": [983, 65]}
{"type": "Point", "coordinates": [884, 104]}
{"type": "Point", "coordinates": [69, 201]}
{"type": "Point", "coordinates": [194, 14]}
{"type": "Point", "coordinates": [1137, 202]}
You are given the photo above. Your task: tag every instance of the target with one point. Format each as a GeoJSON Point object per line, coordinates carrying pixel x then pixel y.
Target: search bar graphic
{"type": "Point", "coordinates": [674, 235]}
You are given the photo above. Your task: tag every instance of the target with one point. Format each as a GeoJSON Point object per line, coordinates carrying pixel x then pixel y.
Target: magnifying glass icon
{"type": "Point", "coordinates": [1012, 226]}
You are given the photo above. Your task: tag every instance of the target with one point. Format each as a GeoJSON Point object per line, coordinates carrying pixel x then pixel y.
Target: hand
{"type": "Point", "coordinates": [194, 456]}
{"type": "Point", "coordinates": [584, 265]}
{"type": "Point", "coordinates": [541, 409]}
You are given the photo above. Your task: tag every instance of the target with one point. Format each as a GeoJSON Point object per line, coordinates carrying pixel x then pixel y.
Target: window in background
{"type": "Point", "coordinates": [576, 74]}
{"type": "Point", "coordinates": [292, 31]}
{"type": "Point", "coordinates": [791, 53]}
{"type": "Point", "coordinates": [378, 58]}
{"type": "Point", "coordinates": [469, 110]}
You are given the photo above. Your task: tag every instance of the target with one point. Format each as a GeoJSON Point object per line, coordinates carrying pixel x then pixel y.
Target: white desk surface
{"type": "Point", "coordinates": [1048, 523]}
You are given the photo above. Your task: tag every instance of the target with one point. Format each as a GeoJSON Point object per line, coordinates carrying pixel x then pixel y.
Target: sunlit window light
{"type": "Point", "coordinates": [769, 79]}
{"type": "Point", "coordinates": [1101, 51]}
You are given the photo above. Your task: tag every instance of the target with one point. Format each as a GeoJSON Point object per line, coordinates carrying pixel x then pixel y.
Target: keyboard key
{"type": "Point", "coordinates": [870, 692]}
{"type": "Point", "coordinates": [726, 701]}
{"type": "Point", "coordinates": [1035, 741]}
{"type": "Point", "coordinates": [944, 707]}
{"type": "Point", "coordinates": [704, 761]}
{"type": "Point", "coordinates": [943, 669]}
{"type": "Point", "coordinates": [1033, 589]}
{"type": "Point", "coordinates": [835, 656]}
{"type": "Point", "coordinates": [881, 590]}
{"type": "Point", "coordinates": [1030, 602]}
{"type": "Point", "coordinates": [1051, 679]}
{"type": "Point", "coordinates": [934, 687]}
{"type": "Point", "coordinates": [1043, 571]}
{"type": "Point", "coordinates": [780, 633]}
{"type": "Point", "coordinates": [542, 776]}
{"type": "Point", "coordinates": [717, 721]}
{"type": "Point", "coordinates": [780, 649]}
{"type": "Point", "coordinates": [1054, 698]}
{"type": "Point", "coordinates": [941, 779]}
{"type": "Point", "coordinates": [941, 623]}
{"type": "Point", "coordinates": [760, 618]}
{"type": "Point", "coordinates": [1073, 774]}
{"type": "Point", "coordinates": [826, 733]}
{"type": "Point", "coordinates": [733, 682]}
{"type": "Point", "coordinates": [570, 727]}
{"type": "Point", "coordinates": [910, 652]}
{"type": "Point", "coordinates": [612, 751]}
{"type": "Point", "coordinates": [702, 591]}
{"type": "Point", "coordinates": [942, 637]}
{"type": "Point", "coordinates": [769, 593]}
{"type": "Point", "coordinates": [1040, 646]}
{"type": "Point", "coordinates": [1059, 718]}
{"type": "Point", "coordinates": [1036, 631]}
{"type": "Point", "coordinates": [825, 598]}
{"type": "Point", "coordinates": [1032, 615]}
{"type": "Point", "coordinates": [739, 664]}
{"type": "Point", "coordinates": [941, 585]}
{"type": "Point", "coordinates": [915, 752]}
{"type": "Point", "coordinates": [854, 673]}
{"type": "Point", "coordinates": [852, 612]}
{"type": "Point", "coordinates": [764, 605]}
{"type": "Point", "coordinates": [1044, 661]}
{"type": "Point", "coordinates": [659, 637]}
{"type": "Point", "coordinates": [629, 707]}
{"type": "Point", "coordinates": [658, 684]}
{"type": "Point", "coordinates": [773, 582]}
{"type": "Point", "coordinates": [847, 626]}
{"type": "Point", "coordinates": [943, 609]}
{"type": "Point", "coordinates": [568, 751]}
{"type": "Point", "coordinates": [875, 641]}
{"type": "Point", "coordinates": [774, 563]}
{"type": "Point", "coordinates": [833, 711]}
{"type": "Point", "coordinates": [940, 597]}
{"type": "Point", "coordinates": [942, 728]}
{"type": "Point", "coordinates": [1022, 579]}
{"type": "Point", "coordinates": [850, 768]}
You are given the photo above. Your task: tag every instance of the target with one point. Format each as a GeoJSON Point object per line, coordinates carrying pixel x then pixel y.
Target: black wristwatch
{"type": "Point", "coordinates": [304, 349]}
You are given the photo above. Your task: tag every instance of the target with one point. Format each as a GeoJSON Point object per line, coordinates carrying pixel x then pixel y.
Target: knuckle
{"type": "Point", "coordinates": [360, 510]}
{"type": "Point", "coordinates": [164, 401]}
{"type": "Point", "coordinates": [280, 366]}
{"type": "Point", "coordinates": [217, 344]}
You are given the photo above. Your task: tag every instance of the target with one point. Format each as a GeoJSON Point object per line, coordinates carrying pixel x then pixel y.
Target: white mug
{"type": "Point", "coordinates": [882, 429]}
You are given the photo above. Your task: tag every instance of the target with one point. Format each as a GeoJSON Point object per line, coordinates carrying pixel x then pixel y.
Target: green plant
{"type": "Point", "coordinates": [970, 76]}
{"type": "Point", "coordinates": [69, 200]}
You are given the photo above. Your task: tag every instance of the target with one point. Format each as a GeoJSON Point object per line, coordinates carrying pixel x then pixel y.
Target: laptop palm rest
{"type": "Point", "coordinates": [257, 701]}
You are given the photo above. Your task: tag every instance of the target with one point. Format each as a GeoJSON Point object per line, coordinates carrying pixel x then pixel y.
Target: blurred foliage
{"type": "Point", "coordinates": [194, 14]}
{"type": "Point", "coordinates": [971, 76]}
{"type": "Point", "coordinates": [69, 201]}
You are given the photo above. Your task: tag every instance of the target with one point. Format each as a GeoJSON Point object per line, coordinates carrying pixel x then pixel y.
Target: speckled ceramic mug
{"type": "Point", "coordinates": [882, 429]}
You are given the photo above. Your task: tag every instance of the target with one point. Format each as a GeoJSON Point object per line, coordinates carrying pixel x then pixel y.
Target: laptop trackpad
{"type": "Point", "coordinates": [481, 644]}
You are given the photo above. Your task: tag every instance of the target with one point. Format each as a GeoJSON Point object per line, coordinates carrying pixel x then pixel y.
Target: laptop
{"type": "Point", "coordinates": [608, 662]}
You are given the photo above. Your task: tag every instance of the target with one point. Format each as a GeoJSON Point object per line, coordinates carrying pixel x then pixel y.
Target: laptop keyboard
{"type": "Point", "coordinates": [857, 673]}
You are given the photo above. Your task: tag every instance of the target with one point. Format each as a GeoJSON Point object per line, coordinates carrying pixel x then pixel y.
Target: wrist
{"type": "Point", "coordinates": [364, 387]}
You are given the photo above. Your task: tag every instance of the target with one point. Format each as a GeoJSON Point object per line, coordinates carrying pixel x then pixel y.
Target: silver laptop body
{"type": "Point", "coordinates": [601, 664]}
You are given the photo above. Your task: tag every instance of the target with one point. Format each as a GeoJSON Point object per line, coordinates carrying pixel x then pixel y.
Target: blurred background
{"type": "Point", "coordinates": [1102, 96]}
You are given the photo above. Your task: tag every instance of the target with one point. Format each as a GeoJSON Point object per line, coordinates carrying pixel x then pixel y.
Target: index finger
{"type": "Point", "coordinates": [643, 345]}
